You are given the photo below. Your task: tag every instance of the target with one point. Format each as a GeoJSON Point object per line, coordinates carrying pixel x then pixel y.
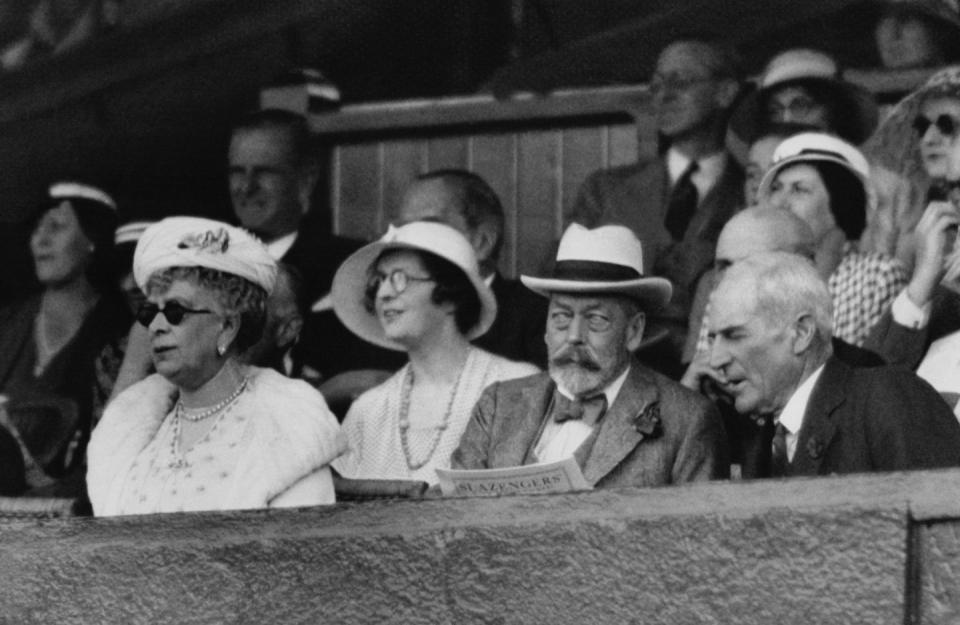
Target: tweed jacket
{"type": "Point", "coordinates": [655, 433]}
{"type": "Point", "coordinates": [874, 419]}
{"type": "Point", "coordinates": [637, 196]}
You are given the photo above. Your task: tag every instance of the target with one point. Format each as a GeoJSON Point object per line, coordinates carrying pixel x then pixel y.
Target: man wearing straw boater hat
{"type": "Point", "coordinates": [624, 424]}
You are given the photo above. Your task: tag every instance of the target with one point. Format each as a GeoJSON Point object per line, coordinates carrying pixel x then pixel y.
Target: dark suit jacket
{"type": "Point", "coordinates": [637, 196]}
{"type": "Point", "coordinates": [518, 331]}
{"type": "Point", "coordinates": [906, 347]}
{"type": "Point", "coordinates": [317, 258]}
{"type": "Point", "coordinates": [689, 444]}
{"type": "Point", "coordinates": [874, 419]}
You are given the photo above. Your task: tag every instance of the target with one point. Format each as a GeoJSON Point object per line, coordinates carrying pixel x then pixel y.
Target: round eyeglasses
{"type": "Point", "coordinates": [399, 280]}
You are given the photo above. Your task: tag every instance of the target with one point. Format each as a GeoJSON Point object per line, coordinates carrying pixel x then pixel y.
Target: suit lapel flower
{"type": "Point", "coordinates": [648, 422]}
{"type": "Point", "coordinates": [815, 447]}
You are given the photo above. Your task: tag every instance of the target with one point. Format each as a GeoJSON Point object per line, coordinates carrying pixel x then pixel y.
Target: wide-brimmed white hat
{"type": "Point", "coordinates": [605, 260]}
{"type": "Point", "coordinates": [804, 66]}
{"type": "Point", "coordinates": [350, 281]}
{"type": "Point", "coordinates": [814, 147]}
{"type": "Point", "coordinates": [199, 242]}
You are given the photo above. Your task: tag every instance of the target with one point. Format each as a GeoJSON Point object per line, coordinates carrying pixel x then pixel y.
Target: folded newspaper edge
{"type": "Point", "coordinates": [562, 476]}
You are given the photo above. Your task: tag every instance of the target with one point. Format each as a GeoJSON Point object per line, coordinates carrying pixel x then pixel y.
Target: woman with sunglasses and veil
{"type": "Point", "coordinates": [915, 140]}
{"type": "Point", "coordinates": [418, 290]}
{"type": "Point", "coordinates": [206, 432]}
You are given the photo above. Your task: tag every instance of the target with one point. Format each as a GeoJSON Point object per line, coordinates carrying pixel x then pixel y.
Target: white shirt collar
{"type": "Point", "coordinates": [278, 247]}
{"type": "Point", "coordinates": [791, 417]}
{"type": "Point", "coordinates": [610, 391]}
{"type": "Point", "coordinates": [709, 169]}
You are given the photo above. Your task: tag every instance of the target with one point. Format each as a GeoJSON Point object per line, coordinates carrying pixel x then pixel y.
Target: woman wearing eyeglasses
{"type": "Point", "coordinates": [206, 432]}
{"type": "Point", "coordinates": [419, 290]}
{"type": "Point", "coordinates": [50, 341]}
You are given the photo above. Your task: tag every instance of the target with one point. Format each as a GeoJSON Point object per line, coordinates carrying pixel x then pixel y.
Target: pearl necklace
{"type": "Point", "coordinates": [405, 420]}
{"type": "Point", "coordinates": [212, 410]}
{"type": "Point", "coordinates": [178, 461]}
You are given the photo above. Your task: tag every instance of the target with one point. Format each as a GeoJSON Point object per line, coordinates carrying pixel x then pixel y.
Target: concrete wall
{"type": "Point", "coordinates": [865, 549]}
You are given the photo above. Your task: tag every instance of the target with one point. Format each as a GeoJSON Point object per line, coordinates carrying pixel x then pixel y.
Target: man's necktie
{"type": "Point", "coordinates": [778, 452]}
{"type": "Point", "coordinates": [683, 203]}
{"type": "Point", "coordinates": [589, 409]}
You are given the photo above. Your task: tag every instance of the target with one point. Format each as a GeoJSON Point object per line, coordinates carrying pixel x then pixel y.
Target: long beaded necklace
{"type": "Point", "coordinates": [178, 461]}
{"type": "Point", "coordinates": [405, 419]}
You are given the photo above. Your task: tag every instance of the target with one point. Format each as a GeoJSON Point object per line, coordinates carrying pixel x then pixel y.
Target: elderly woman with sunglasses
{"type": "Point", "coordinates": [206, 432]}
{"type": "Point", "coordinates": [419, 290]}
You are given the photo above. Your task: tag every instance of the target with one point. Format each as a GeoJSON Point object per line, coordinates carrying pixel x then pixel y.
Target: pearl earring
{"type": "Point", "coordinates": [221, 349]}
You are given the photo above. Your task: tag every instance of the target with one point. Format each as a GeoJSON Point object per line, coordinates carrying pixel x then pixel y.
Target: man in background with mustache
{"type": "Point", "coordinates": [624, 424]}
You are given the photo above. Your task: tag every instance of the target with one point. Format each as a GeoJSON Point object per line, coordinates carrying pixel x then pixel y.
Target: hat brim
{"type": "Point", "coordinates": [350, 282]}
{"type": "Point", "coordinates": [763, 190]}
{"type": "Point", "coordinates": [654, 293]}
{"type": "Point", "coordinates": [861, 114]}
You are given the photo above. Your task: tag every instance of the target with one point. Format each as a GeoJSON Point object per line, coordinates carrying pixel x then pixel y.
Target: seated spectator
{"type": "Point", "coordinates": [463, 200]}
{"type": "Point", "coordinates": [50, 341]}
{"type": "Point", "coordinates": [914, 141]}
{"type": "Point", "coordinates": [624, 424]}
{"type": "Point", "coordinates": [677, 202]}
{"type": "Point", "coordinates": [824, 181]}
{"type": "Point", "coordinates": [418, 290]}
{"type": "Point", "coordinates": [753, 231]}
{"type": "Point", "coordinates": [802, 86]}
{"type": "Point", "coordinates": [770, 329]}
{"type": "Point", "coordinates": [206, 432]}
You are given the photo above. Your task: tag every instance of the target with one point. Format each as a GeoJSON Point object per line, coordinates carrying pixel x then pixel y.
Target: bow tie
{"type": "Point", "coordinates": [587, 409]}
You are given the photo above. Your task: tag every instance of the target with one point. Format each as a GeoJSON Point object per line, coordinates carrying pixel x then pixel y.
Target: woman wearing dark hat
{"type": "Point", "coordinates": [419, 290]}
{"type": "Point", "coordinates": [50, 341]}
{"type": "Point", "coordinates": [824, 181]}
{"type": "Point", "coordinates": [206, 432]}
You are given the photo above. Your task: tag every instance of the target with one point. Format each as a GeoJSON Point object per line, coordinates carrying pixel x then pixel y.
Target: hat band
{"type": "Point", "coordinates": [593, 271]}
{"type": "Point", "coordinates": [829, 153]}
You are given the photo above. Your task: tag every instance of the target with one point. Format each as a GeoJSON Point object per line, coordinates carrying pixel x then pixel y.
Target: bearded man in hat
{"type": "Point", "coordinates": [624, 424]}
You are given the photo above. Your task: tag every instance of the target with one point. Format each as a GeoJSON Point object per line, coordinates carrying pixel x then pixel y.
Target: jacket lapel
{"type": "Point", "coordinates": [617, 435]}
{"type": "Point", "coordinates": [521, 428]}
{"type": "Point", "coordinates": [819, 427]}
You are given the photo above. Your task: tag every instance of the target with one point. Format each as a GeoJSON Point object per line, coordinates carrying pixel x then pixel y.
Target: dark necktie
{"type": "Point", "coordinates": [683, 203]}
{"type": "Point", "coordinates": [589, 409]}
{"type": "Point", "coordinates": [778, 452]}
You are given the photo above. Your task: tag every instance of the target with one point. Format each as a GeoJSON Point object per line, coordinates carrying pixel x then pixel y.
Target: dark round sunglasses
{"type": "Point", "coordinates": [946, 125]}
{"type": "Point", "coordinates": [173, 312]}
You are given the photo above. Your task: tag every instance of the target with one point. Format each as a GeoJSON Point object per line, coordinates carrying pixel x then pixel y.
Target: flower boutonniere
{"type": "Point", "coordinates": [648, 422]}
{"type": "Point", "coordinates": [815, 447]}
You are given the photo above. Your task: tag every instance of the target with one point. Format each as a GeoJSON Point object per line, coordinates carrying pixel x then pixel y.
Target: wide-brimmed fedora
{"type": "Point", "coordinates": [814, 147]}
{"type": "Point", "coordinates": [350, 281]}
{"type": "Point", "coordinates": [606, 260]}
{"type": "Point", "coordinates": [801, 66]}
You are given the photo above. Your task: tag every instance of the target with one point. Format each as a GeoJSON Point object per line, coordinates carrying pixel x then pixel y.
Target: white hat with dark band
{"type": "Point", "coordinates": [607, 260]}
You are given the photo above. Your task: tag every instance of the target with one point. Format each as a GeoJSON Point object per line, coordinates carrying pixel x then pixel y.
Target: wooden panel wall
{"type": "Point", "coordinates": [536, 173]}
